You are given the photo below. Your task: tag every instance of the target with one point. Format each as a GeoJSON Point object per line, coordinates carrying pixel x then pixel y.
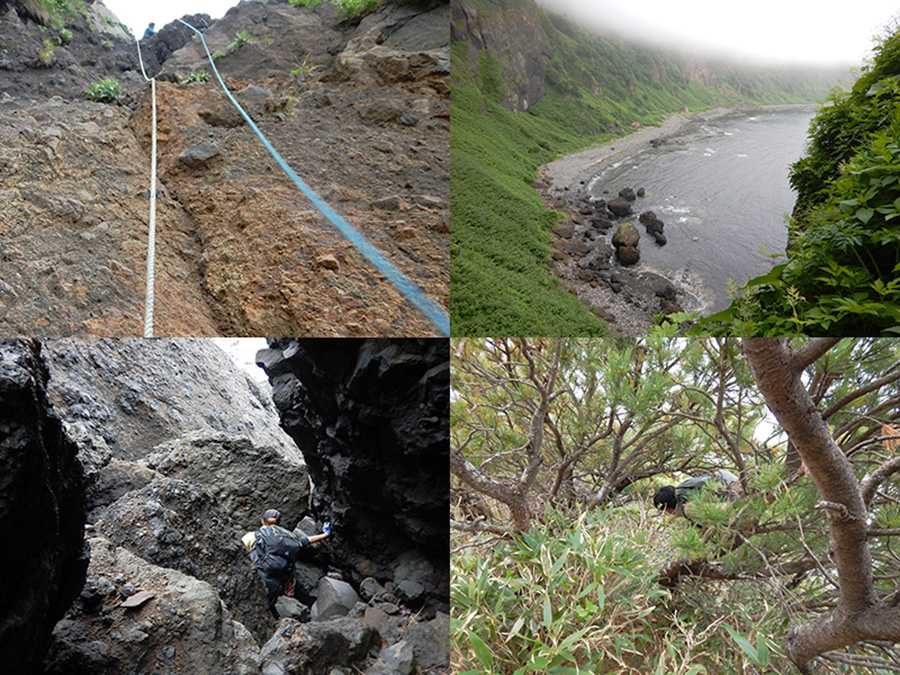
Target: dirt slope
{"type": "Point", "coordinates": [364, 120]}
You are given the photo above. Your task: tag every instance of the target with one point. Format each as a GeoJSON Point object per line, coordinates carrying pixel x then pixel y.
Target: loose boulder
{"type": "Point", "coordinates": [179, 525]}
{"type": "Point", "coordinates": [625, 239]}
{"type": "Point", "coordinates": [241, 475]}
{"type": "Point", "coordinates": [335, 598]}
{"type": "Point", "coordinates": [627, 194]}
{"type": "Point", "coordinates": [183, 628]}
{"type": "Point", "coordinates": [654, 226]}
{"type": "Point", "coordinates": [619, 206]}
{"type": "Point", "coordinates": [317, 648]}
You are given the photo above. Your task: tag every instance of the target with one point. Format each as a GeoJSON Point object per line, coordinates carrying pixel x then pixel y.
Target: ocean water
{"type": "Point", "coordinates": [722, 190]}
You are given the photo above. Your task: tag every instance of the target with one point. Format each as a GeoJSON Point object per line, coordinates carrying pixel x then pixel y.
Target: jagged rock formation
{"type": "Point", "coordinates": [371, 418]}
{"type": "Point", "coordinates": [42, 511]}
{"type": "Point", "coordinates": [174, 481]}
{"type": "Point", "coordinates": [360, 110]}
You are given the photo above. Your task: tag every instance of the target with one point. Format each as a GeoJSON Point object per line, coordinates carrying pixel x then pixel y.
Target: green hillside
{"type": "Point", "coordinates": [595, 88]}
{"type": "Point", "coordinates": [841, 274]}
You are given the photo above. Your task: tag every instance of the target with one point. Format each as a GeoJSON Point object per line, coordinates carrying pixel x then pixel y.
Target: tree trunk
{"type": "Point", "coordinates": [859, 615]}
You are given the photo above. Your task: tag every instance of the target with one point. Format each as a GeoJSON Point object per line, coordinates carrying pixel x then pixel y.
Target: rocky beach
{"type": "Point", "coordinates": [587, 247]}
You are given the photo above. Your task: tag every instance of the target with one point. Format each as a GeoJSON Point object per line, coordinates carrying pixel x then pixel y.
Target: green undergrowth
{"type": "Point", "coordinates": [581, 596]}
{"type": "Point", "coordinates": [596, 88]}
{"type": "Point", "coordinates": [59, 12]}
{"type": "Point", "coordinates": [350, 8]}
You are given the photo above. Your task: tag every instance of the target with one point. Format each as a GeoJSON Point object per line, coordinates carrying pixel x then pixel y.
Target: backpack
{"type": "Point", "coordinates": [275, 549]}
{"type": "Point", "coordinates": [689, 488]}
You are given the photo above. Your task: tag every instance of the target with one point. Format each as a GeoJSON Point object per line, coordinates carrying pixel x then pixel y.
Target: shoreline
{"type": "Point", "coordinates": [567, 173]}
{"type": "Point", "coordinates": [562, 185]}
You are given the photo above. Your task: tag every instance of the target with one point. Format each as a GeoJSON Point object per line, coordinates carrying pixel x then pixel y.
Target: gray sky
{"type": "Point", "coordinates": [243, 352]}
{"type": "Point", "coordinates": [136, 15]}
{"type": "Point", "coordinates": [798, 31]}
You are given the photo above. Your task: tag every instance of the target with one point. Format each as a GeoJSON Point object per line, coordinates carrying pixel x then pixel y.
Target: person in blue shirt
{"type": "Point", "coordinates": [150, 32]}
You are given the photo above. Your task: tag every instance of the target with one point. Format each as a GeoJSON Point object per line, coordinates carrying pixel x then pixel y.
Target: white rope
{"type": "Point", "coordinates": [151, 234]}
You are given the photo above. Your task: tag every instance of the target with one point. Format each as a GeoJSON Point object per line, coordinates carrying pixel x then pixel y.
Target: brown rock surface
{"type": "Point", "coordinates": [239, 247]}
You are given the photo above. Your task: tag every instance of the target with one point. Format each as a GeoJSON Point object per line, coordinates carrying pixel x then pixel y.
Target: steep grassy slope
{"type": "Point", "coordinates": [591, 90]}
{"type": "Point", "coordinates": [840, 277]}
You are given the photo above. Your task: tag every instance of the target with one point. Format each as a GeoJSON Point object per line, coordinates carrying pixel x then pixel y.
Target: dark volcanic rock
{"type": "Point", "coordinates": [371, 418]}
{"type": "Point", "coordinates": [184, 628]}
{"type": "Point", "coordinates": [628, 194]}
{"type": "Point", "coordinates": [42, 511]}
{"type": "Point", "coordinates": [626, 235]}
{"type": "Point", "coordinates": [619, 206]}
{"type": "Point", "coordinates": [175, 524]}
{"type": "Point", "coordinates": [654, 226]}
{"type": "Point", "coordinates": [625, 239]}
{"type": "Point", "coordinates": [317, 648]}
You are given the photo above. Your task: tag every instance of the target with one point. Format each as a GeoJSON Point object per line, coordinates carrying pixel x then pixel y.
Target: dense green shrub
{"type": "Point", "coordinates": [581, 596]}
{"type": "Point", "coordinates": [350, 8]}
{"type": "Point", "coordinates": [105, 91]}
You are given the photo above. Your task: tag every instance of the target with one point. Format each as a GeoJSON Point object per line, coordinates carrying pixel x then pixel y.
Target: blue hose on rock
{"type": "Point", "coordinates": [409, 290]}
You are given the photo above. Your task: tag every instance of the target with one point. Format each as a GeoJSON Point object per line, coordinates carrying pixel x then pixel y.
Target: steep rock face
{"type": "Point", "coordinates": [500, 31]}
{"type": "Point", "coordinates": [48, 52]}
{"type": "Point", "coordinates": [371, 418]}
{"type": "Point", "coordinates": [359, 109]}
{"type": "Point", "coordinates": [41, 491]}
{"type": "Point", "coordinates": [179, 525]}
{"type": "Point", "coordinates": [183, 452]}
{"type": "Point", "coordinates": [73, 239]}
{"type": "Point", "coordinates": [136, 394]}
{"type": "Point", "coordinates": [183, 628]}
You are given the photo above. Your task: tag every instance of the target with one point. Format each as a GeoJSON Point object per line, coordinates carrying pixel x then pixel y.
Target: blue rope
{"type": "Point", "coordinates": [434, 312]}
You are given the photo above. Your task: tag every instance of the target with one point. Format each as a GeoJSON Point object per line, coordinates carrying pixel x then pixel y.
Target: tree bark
{"type": "Point", "coordinates": [859, 614]}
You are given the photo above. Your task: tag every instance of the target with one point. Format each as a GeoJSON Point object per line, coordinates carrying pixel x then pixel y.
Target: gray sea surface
{"type": "Point", "coordinates": [722, 189]}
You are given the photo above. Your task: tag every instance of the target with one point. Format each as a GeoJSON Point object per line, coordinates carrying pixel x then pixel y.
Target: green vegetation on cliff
{"type": "Point", "coordinates": [595, 88]}
{"type": "Point", "coordinates": [841, 274]}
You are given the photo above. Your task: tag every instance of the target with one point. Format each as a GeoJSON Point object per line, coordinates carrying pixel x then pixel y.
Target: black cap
{"type": "Point", "coordinates": [272, 515]}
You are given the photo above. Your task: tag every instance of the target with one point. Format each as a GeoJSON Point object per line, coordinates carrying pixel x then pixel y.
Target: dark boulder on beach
{"type": "Point", "coordinates": [628, 194]}
{"type": "Point", "coordinates": [565, 230]}
{"type": "Point", "coordinates": [626, 235]}
{"type": "Point", "coordinates": [619, 206]}
{"type": "Point", "coordinates": [626, 240]}
{"type": "Point", "coordinates": [654, 226]}
{"type": "Point", "coordinates": [602, 223]}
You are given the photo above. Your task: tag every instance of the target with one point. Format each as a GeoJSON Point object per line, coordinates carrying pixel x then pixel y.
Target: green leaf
{"type": "Point", "coordinates": [772, 277]}
{"type": "Point", "coordinates": [482, 651]}
{"type": "Point", "coordinates": [762, 651]}
{"type": "Point", "coordinates": [548, 612]}
{"type": "Point", "coordinates": [743, 643]}
{"type": "Point", "coordinates": [865, 215]}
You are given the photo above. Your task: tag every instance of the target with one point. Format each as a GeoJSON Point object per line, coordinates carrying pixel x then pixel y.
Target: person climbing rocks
{"type": "Point", "coordinates": [151, 30]}
{"type": "Point", "coordinates": [676, 499]}
{"type": "Point", "coordinates": [273, 551]}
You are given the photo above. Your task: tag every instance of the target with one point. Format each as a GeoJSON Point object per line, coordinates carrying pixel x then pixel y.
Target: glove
{"type": "Point", "coordinates": [326, 528]}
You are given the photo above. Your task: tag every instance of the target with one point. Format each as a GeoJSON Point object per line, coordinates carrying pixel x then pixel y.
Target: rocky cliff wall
{"type": "Point", "coordinates": [372, 420]}
{"type": "Point", "coordinates": [42, 511]}
{"type": "Point", "coordinates": [500, 31]}
{"type": "Point", "coordinates": [360, 109]}
{"type": "Point", "coordinates": [183, 454]}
